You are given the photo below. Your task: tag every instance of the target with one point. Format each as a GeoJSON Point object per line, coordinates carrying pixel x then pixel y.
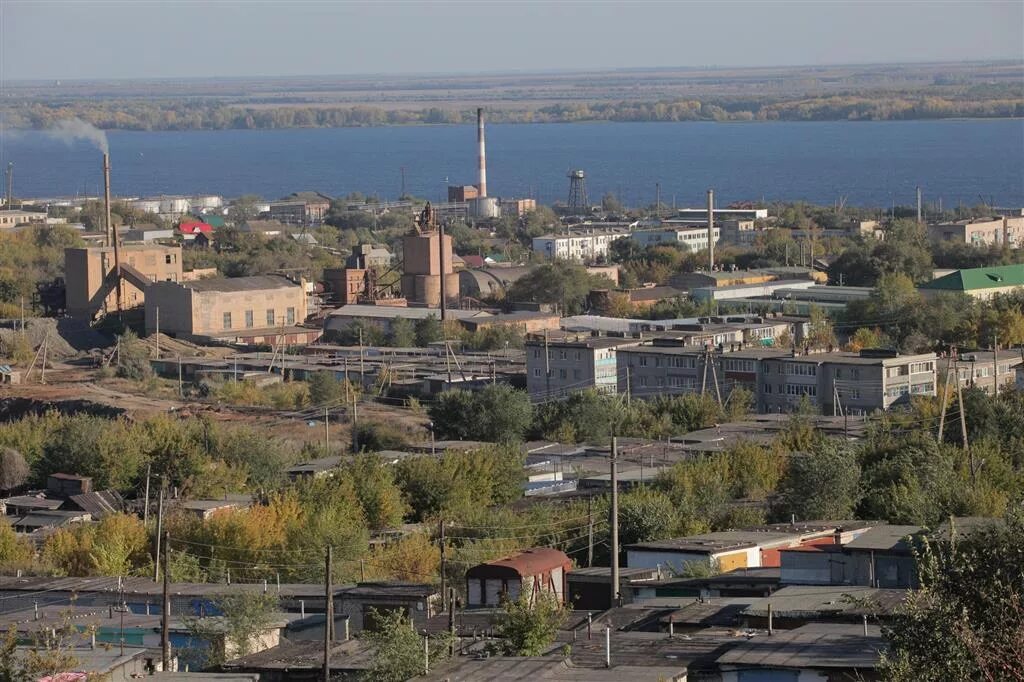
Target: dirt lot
{"type": "Point", "coordinates": [66, 382]}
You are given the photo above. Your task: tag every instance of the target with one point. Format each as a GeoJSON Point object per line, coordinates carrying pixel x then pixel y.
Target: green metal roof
{"type": "Point", "coordinates": [979, 278]}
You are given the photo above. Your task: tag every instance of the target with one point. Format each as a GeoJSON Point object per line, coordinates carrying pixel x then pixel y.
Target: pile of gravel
{"type": "Point", "coordinates": [67, 338]}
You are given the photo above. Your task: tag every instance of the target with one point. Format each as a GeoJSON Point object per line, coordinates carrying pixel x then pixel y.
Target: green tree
{"type": "Point", "coordinates": [428, 331]}
{"type": "Point", "coordinates": [966, 622]}
{"type": "Point", "coordinates": [824, 483]}
{"type": "Point", "coordinates": [529, 626]}
{"type": "Point", "coordinates": [133, 357]}
{"type": "Point", "coordinates": [646, 515]}
{"type": "Point", "coordinates": [562, 284]}
{"type": "Point", "coordinates": [324, 388]}
{"type": "Point", "coordinates": [402, 334]}
{"type": "Point", "coordinates": [496, 413]}
{"type": "Point", "coordinates": [244, 616]}
{"type": "Point", "coordinates": [398, 648]}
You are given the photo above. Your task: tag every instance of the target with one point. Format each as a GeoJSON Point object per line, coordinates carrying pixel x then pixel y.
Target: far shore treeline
{"type": "Point", "coordinates": [186, 114]}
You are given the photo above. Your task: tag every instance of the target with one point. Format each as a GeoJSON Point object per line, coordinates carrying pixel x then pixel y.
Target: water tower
{"type": "Point", "coordinates": [578, 203]}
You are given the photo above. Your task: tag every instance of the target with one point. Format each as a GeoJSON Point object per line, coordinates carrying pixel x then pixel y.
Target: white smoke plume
{"type": "Point", "coordinates": [70, 129]}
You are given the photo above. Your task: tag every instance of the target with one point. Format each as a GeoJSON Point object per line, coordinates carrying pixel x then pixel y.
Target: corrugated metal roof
{"type": "Point", "coordinates": [973, 279]}
{"type": "Point", "coordinates": [525, 563]}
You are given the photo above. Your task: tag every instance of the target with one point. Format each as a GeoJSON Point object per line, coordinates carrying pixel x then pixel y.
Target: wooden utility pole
{"type": "Point", "coordinates": [444, 563]}
{"type": "Point", "coordinates": [42, 367]}
{"type": "Point", "coordinates": [590, 531]}
{"type": "Point", "coordinates": [963, 420]}
{"type": "Point", "coordinates": [327, 430]}
{"type": "Point", "coordinates": [159, 531]}
{"type": "Point", "coordinates": [714, 377]}
{"type": "Point", "coordinates": [145, 509]}
{"type": "Point", "coordinates": [547, 368]}
{"type": "Point", "coordinates": [945, 395]}
{"type": "Point", "coordinates": [995, 365]}
{"type": "Point", "coordinates": [165, 615]}
{"type": "Point", "coordinates": [615, 521]}
{"type": "Point", "coordinates": [181, 385]}
{"type": "Point", "coordinates": [329, 616]}
{"type": "Point", "coordinates": [451, 620]}
{"type": "Point", "coordinates": [156, 337]}
{"type": "Point", "coordinates": [355, 421]}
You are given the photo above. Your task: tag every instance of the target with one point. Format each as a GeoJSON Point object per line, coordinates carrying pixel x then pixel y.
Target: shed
{"type": "Point", "coordinates": [532, 571]}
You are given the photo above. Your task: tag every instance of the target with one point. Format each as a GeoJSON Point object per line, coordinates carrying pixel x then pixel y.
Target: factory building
{"type": "Point", "coordinates": [90, 281]}
{"type": "Point", "coordinates": [428, 258]}
{"type": "Point", "coordinates": [301, 208]}
{"type": "Point", "coordinates": [1005, 230]}
{"type": "Point", "coordinates": [13, 218]}
{"type": "Point", "coordinates": [694, 238]}
{"type": "Point", "coordinates": [235, 309]}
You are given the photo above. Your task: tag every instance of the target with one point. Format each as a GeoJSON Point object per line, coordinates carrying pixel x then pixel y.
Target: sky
{"type": "Point", "coordinates": [100, 39]}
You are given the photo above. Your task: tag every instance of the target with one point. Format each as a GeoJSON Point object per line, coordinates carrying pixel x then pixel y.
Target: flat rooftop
{"type": "Point", "coordinates": [714, 543]}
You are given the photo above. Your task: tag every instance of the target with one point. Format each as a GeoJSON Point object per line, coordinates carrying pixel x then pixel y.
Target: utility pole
{"type": "Point", "coordinates": [451, 620]}
{"type": "Point", "coordinates": [657, 200]}
{"type": "Point", "coordinates": [165, 615]}
{"type": "Point", "coordinates": [945, 395]}
{"type": "Point", "coordinates": [145, 508]}
{"type": "Point", "coordinates": [714, 377]}
{"type": "Point", "coordinates": [995, 365]}
{"type": "Point", "coordinates": [629, 387]}
{"type": "Point", "coordinates": [547, 367]}
{"type": "Point", "coordinates": [156, 336]}
{"type": "Point", "coordinates": [918, 204]}
{"type": "Point", "coordinates": [963, 421]}
{"type": "Point", "coordinates": [159, 531]}
{"type": "Point", "coordinates": [329, 616]}
{"type": "Point", "coordinates": [444, 563]}
{"type": "Point", "coordinates": [355, 422]}
{"type": "Point", "coordinates": [615, 520]}
{"type": "Point", "coordinates": [590, 531]}
{"type": "Point", "coordinates": [181, 386]}
{"type": "Point", "coordinates": [327, 430]}
{"type": "Point", "coordinates": [711, 230]}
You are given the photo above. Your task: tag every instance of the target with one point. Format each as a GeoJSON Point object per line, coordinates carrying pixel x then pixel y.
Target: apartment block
{"type": "Point", "coordinates": [862, 382]}
{"type": "Point", "coordinates": [983, 369]}
{"type": "Point", "coordinates": [560, 368]}
{"type": "Point", "coordinates": [585, 245]}
{"type": "Point", "coordinates": [90, 282]}
{"type": "Point", "coordinates": [694, 238]}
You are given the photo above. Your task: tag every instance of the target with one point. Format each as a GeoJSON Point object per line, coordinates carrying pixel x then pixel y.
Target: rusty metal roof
{"type": "Point", "coordinates": [527, 562]}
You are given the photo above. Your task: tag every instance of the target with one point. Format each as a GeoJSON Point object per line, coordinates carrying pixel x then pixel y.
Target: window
{"type": "Point", "coordinates": [168, 259]}
{"type": "Point", "coordinates": [562, 355]}
{"type": "Point", "coordinates": [561, 374]}
{"type": "Point", "coordinates": [248, 319]}
{"type": "Point", "coordinates": [536, 372]}
{"type": "Point", "coordinates": [643, 381]}
{"type": "Point", "coordinates": [798, 389]}
{"type": "Point", "coordinates": [536, 353]}
{"type": "Point", "coordinates": [270, 317]}
{"type": "Point", "coordinates": [291, 315]}
{"type": "Point", "coordinates": [577, 356]}
{"type": "Point", "coordinates": [768, 388]}
{"type": "Point", "coordinates": [227, 320]}
{"type": "Point", "coordinates": [643, 360]}
{"type": "Point", "coordinates": [919, 367]}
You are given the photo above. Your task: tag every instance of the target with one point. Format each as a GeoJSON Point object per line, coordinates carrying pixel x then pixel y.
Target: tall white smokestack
{"type": "Point", "coordinates": [481, 154]}
{"type": "Point", "coordinates": [711, 229]}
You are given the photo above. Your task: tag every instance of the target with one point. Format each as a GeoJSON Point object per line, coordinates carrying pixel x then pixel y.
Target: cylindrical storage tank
{"type": "Point", "coordinates": [207, 201]}
{"type": "Point", "coordinates": [484, 207]}
{"type": "Point", "coordinates": [428, 289]}
{"type": "Point", "coordinates": [451, 285]}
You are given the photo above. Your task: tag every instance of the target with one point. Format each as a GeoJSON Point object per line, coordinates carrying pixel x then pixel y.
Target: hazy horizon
{"type": "Point", "coordinates": [236, 39]}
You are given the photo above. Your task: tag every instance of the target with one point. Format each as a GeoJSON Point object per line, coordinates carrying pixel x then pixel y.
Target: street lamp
{"type": "Point", "coordinates": [430, 426]}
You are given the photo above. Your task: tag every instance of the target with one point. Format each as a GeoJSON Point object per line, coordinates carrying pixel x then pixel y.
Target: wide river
{"type": "Point", "coordinates": [867, 163]}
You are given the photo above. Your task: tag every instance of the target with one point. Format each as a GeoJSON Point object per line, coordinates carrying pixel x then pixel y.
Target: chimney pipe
{"type": "Point", "coordinates": [711, 229]}
{"type": "Point", "coordinates": [919, 216]}
{"type": "Point", "coordinates": [481, 155]}
{"type": "Point", "coordinates": [112, 231]}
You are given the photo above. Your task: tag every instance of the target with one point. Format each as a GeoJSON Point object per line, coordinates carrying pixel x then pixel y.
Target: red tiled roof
{"type": "Point", "coordinates": [195, 226]}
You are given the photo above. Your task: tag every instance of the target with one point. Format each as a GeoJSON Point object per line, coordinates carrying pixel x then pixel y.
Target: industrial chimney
{"type": "Point", "coordinates": [711, 229]}
{"type": "Point", "coordinates": [482, 156]}
{"type": "Point", "coordinates": [111, 230]}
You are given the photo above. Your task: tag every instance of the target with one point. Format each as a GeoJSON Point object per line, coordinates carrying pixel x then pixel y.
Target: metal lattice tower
{"type": "Point", "coordinates": [578, 192]}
